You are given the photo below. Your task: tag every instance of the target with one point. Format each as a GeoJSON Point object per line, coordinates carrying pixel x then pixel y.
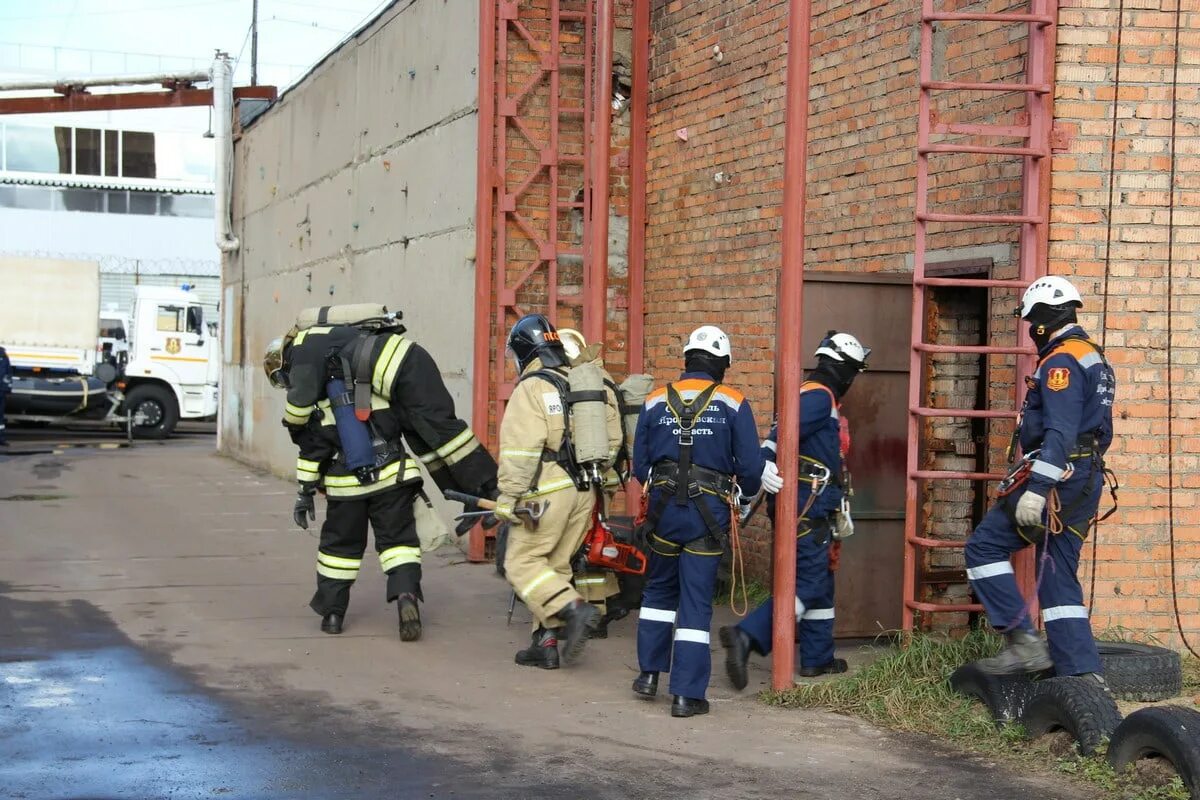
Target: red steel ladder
{"type": "Point", "coordinates": [1033, 219]}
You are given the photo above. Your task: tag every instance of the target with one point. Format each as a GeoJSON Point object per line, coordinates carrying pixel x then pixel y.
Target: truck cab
{"type": "Point", "coordinates": [113, 345]}
{"type": "Point", "coordinates": [173, 362]}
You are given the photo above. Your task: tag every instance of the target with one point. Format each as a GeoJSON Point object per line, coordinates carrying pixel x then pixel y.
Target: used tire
{"type": "Point", "coordinates": [156, 412]}
{"type": "Point", "coordinates": [1077, 705]}
{"type": "Point", "coordinates": [1171, 733]}
{"type": "Point", "coordinates": [1004, 695]}
{"type": "Point", "coordinates": [1141, 671]}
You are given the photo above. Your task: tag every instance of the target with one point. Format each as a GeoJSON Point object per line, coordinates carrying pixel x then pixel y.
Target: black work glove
{"type": "Point", "coordinates": [305, 508]}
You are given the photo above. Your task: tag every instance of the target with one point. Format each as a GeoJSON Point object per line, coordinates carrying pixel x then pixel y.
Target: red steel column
{"type": "Point", "coordinates": [484, 181]}
{"type": "Point", "coordinates": [595, 279]}
{"type": "Point", "coordinates": [639, 109]}
{"type": "Point", "coordinates": [787, 341]}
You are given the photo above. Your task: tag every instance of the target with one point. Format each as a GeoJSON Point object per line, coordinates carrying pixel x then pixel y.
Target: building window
{"type": "Point", "coordinates": [88, 151]}
{"type": "Point", "coordinates": [137, 155]}
{"type": "Point", "coordinates": [30, 149]}
{"type": "Point", "coordinates": [112, 143]}
{"type": "Point", "coordinates": [38, 198]}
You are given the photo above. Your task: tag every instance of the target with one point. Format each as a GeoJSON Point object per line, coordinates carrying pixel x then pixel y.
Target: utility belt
{"type": "Point", "coordinates": [1085, 450]}
{"type": "Point", "coordinates": [700, 480]}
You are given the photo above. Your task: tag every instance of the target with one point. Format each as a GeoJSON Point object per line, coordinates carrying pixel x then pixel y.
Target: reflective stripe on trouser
{"type": "Point", "coordinates": [537, 563]}
{"type": "Point", "coordinates": [344, 539]}
{"type": "Point", "coordinates": [1068, 629]}
{"type": "Point", "coordinates": [814, 605]}
{"type": "Point", "coordinates": [675, 620]}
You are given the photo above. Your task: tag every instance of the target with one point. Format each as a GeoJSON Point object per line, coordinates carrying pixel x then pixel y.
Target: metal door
{"type": "Point", "coordinates": [876, 309]}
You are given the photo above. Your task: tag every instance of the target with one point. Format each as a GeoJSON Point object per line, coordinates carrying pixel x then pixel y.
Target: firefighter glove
{"type": "Point", "coordinates": [772, 481]}
{"type": "Point", "coordinates": [504, 510]}
{"type": "Point", "coordinates": [305, 508]}
{"type": "Point", "coordinates": [1029, 509]}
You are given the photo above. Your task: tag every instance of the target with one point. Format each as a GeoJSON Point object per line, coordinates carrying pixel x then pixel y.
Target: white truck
{"type": "Point", "coordinates": [49, 327]}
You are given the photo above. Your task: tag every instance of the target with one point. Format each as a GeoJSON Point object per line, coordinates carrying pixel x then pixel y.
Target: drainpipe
{"type": "Point", "coordinates": [789, 326]}
{"type": "Point", "coordinates": [595, 280]}
{"type": "Point", "coordinates": [222, 83]}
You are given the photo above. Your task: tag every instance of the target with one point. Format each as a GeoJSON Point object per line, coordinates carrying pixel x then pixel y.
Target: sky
{"type": "Point", "coordinates": [71, 38]}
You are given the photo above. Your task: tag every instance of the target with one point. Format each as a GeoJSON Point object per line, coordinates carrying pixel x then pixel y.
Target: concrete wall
{"type": "Point", "coordinates": [359, 185]}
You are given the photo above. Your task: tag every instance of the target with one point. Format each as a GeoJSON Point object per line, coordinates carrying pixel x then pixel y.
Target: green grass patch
{"type": "Point", "coordinates": [908, 689]}
{"type": "Point", "coordinates": [1191, 674]}
{"type": "Point", "coordinates": [757, 593]}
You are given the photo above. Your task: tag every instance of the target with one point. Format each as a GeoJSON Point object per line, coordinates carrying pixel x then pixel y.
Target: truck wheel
{"type": "Point", "coordinates": [1169, 733]}
{"type": "Point", "coordinates": [154, 411]}
{"type": "Point", "coordinates": [1141, 671]}
{"type": "Point", "coordinates": [1004, 695]}
{"type": "Point", "coordinates": [1079, 706]}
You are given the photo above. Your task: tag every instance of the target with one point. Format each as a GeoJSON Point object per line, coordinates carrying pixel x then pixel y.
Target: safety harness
{"type": "Point", "coordinates": [1086, 448]}
{"type": "Point", "coordinates": [564, 456]}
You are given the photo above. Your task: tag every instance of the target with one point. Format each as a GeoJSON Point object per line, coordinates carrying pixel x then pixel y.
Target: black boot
{"type": "Point", "coordinates": [542, 651]}
{"type": "Point", "coordinates": [581, 619]}
{"type": "Point", "coordinates": [331, 623]}
{"type": "Point", "coordinates": [688, 706]}
{"type": "Point", "coordinates": [737, 654]}
{"type": "Point", "coordinates": [838, 665]}
{"type": "Point", "coordinates": [410, 617]}
{"type": "Point", "coordinates": [646, 685]}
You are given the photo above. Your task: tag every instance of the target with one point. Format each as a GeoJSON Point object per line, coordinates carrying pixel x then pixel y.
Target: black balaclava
{"type": "Point", "coordinates": [1044, 321]}
{"type": "Point", "coordinates": [701, 361]}
{"type": "Point", "coordinates": [837, 375]}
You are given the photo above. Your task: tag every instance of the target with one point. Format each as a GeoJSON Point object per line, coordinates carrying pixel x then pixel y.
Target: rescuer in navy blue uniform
{"type": "Point", "coordinates": [821, 517]}
{"type": "Point", "coordinates": [1064, 430]}
{"type": "Point", "coordinates": [5, 388]}
{"type": "Point", "coordinates": [694, 438]}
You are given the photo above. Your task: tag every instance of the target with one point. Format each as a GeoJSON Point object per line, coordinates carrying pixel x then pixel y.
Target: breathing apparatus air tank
{"type": "Point", "coordinates": [353, 434]}
{"type": "Point", "coordinates": [589, 418]}
{"type": "Point", "coordinates": [634, 391]}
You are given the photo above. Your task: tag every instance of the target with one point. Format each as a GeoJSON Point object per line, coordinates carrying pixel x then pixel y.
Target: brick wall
{"type": "Point", "coordinates": [1114, 211]}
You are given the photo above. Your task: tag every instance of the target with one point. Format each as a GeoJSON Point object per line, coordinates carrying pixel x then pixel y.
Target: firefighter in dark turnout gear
{"type": "Point", "coordinates": [1064, 431]}
{"type": "Point", "coordinates": [695, 438]}
{"type": "Point", "coordinates": [407, 404]}
{"type": "Point", "coordinates": [536, 461]}
{"type": "Point", "coordinates": [824, 440]}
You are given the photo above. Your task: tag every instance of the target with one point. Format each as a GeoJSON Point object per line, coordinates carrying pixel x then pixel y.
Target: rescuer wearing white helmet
{"type": "Point", "coordinates": [694, 437]}
{"type": "Point", "coordinates": [823, 516]}
{"type": "Point", "coordinates": [1064, 430]}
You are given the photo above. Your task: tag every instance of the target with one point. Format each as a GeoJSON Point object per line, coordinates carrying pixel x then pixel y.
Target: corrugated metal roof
{"type": "Point", "coordinates": [99, 182]}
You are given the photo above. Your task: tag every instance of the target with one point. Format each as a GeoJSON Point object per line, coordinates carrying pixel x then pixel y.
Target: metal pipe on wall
{"type": "Point", "coordinates": [222, 97]}
{"type": "Point", "coordinates": [160, 78]}
{"type": "Point", "coordinates": [484, 183]}
{"type": "Point", "coordinates": [787, 341]}
{"type": "Point", "coordinates": [595, 279]}
{"type": "Point", "coordinates": [639, 110]}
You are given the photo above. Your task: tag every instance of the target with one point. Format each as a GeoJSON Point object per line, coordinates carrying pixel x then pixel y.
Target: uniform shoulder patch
{"type": "Point", "coordinates": [1058, 378]}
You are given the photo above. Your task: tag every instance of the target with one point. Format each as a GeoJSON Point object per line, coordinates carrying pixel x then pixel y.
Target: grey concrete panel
{"type": "Point", "coordinates": [441, 193]}
{"type": "Point", "coordinates": [416, 71]}
{"type": "Point", "coordinates": [324, 128]}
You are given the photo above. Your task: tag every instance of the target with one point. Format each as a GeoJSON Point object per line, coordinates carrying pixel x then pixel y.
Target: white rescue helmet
{"type": "Point", "coordinates": [843, 347]}
{"type": "Point", "coordinates": [710, 339]}
{"type": "Point", "coordinates": [573, 342]}
{"type": "Point", "coordinates": [1051, 291]}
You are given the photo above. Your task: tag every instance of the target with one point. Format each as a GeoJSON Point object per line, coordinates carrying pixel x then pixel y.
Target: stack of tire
{"type": "Point", "coordinates": [1086, 709]}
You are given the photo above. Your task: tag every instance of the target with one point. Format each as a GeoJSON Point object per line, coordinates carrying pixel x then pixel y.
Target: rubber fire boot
{"type": "Point", "coordinates": [410, 618]}
{"type": "Point", "coordinates": [688, 706]}
{"type": "Point", "coordinates": [737, 654]}
{"type": "Point", "coordinates": [1024, 652]}
{"type": "Point", "coordinates": [542, 651]}
{"type": "Point", "coordinates": [581, 619]}
{"type": "Point", "coordinates": [838, 665]}
{"type": "Point", "coordinates": [331, 623]}
{"type": "Point", "coordinates": [645, 685]}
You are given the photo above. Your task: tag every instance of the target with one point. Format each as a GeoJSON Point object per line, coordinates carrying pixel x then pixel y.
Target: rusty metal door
{"type": "Point", "coordinates": [876, 308]}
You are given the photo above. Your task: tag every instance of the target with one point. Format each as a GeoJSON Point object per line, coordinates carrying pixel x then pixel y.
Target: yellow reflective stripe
{"type": "Point", "coordinates": [296, 415]}
{"type": "Point", "coordinates": [337, 574]}
{"type": "Point", "coordinates": [550, 488]}
{"type": "Point", "coordinates": [300, 337]}
{"type": "Point", "coordinates": [396, 556]}
{"type": "Point", "coordinates": [388, 364]}
{"type": "Point", "coordinates": [536, 582]}
{"type": "Point", "coordinates": [338, 561]}
{"type": "Point", "coordinates": [428, 458]}
{"type": "Point", "coordinates": [462, 453]}
{"type": "Point", "coordinates": [350, 487]}
{"type": "Point", "coordinates": [455, 443]}
{"type": "Point", "coordinates": [307, 475]}
{"type": "Point", "coordinates": [510, 452]}
{"type": "Point", "coordinates": [305, 464]}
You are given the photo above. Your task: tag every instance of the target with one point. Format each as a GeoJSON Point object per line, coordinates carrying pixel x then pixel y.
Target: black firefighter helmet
{"type": "Point", "coordinates": [534, 337]}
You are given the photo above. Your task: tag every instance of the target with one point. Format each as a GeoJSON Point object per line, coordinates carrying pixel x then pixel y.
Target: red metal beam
{"type": "Point", "coordinates": [125, 101]}
{"type": "Point", "coordinates": [595, 278]}
{"type": "Point", "coordinates": [639, 110]}
{"type": "Point", "coordinates": [484, 204]}
{"type": "Point", "coordinates": [789, 324]}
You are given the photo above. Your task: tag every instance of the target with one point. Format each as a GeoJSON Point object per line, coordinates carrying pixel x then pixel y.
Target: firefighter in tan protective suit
{"type": "Point", "coordinates": [537, 460]}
